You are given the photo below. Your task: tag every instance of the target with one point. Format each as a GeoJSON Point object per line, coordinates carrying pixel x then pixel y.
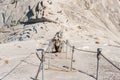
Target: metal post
{"type": "Point", "coordinates": [49, 58]}
{"type": "Point", "coordinates": [43, 65]}
{"type": "Point", "coordinates": [72, 58]}
{"type": "Point", "coordinates": [39, 69]}
{"type": "Point", "coordinates": [66, 48]}
{"type": "Point", "coordinates": [49, 61]}
{"type": "Point", "coordinates": [63, 50]}
{"type": "Point", "coordinates": [50, 49]}
{"type": "Point", "coordinates": [98, 58]}
{"type": "Point", "coordinates": [38, 72]}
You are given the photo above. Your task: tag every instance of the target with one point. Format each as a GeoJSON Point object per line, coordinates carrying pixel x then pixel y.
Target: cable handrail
{"type": "Point", "coordinates": [98, 54]}
{"type": "Point", "coordinates": [48, 49]}
{"type": "Point", "coordinates": [16, 66]}
{"type": "Point", "coordinates": [21, 61]}
{"type": "Point", "coordinates": [43, 53]}
{"type": "Point", "coordinates": [110, 62]}
{"type": "Point", "coordinates": [68, 44]}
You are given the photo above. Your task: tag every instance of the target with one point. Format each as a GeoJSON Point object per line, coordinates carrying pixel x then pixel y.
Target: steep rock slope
{"type": "Point", "coordinates": [99, 17]}
{"type": "Point", "coordinates": [87, 24]}
{"type": "Point", "coordinates": [95, 16]}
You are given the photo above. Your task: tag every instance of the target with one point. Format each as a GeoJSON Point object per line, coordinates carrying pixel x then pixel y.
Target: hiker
{"type": "Point", "coordinates": [40, 8]}
{"type": "Point", "coordinates": [57, 41]}
{"type": "Point", "coordinates": [37, 9]}
{"type": "Point", "coordinates": [43, 9]}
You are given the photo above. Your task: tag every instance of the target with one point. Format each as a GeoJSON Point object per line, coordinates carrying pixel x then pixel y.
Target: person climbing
{"type": "Point", "coordinates": [37, 9]}
{"type": "Point", "coordinates": [43, 9]}
{"type": "Point", "coordinates": [57, 41]}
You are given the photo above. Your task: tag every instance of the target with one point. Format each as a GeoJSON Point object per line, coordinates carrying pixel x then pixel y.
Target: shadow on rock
{"type": "Point", "coordinates": [38, 20]}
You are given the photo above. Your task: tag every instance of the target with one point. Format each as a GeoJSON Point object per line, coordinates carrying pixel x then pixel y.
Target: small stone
{"type": "Point", "coordinates": [6, 62]}
{"type": "Point", "coordinates": [97, 42]}
{"type": "Point", "coordinates": [27, 36]}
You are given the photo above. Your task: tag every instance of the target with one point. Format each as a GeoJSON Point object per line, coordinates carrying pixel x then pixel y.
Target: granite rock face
{"type": "Point", "coordinates": [100, 17]}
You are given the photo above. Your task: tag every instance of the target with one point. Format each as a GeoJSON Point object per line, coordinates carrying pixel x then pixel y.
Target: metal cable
{"type": "Point", "coordinates": [16, 66]}
{"type": "Point", "coordinates": [79, 49]}
{"type": "Point", "coordinates": [110, 62]}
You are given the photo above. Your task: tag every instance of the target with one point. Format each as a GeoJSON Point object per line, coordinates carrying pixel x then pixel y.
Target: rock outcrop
{"type": "Point", "coordinates": [99, 17]}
